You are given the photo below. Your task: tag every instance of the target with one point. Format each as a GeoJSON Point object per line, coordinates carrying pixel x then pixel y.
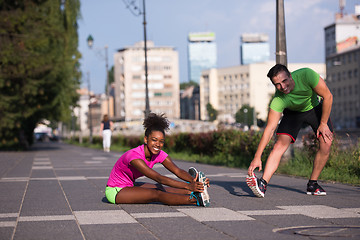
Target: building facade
{"type": "Point", "coordinates": [202, 54]}
{"type": "Point", "coordinates": [343, 69]}
{"type": "Point", "coordinates": [190, 103]}
{"type": "Point", "coordinates": [228, 89]}
{"type": "Point", "coordinates": [254, 48]}
{"type": "Point", "coordinates": [163, 81]}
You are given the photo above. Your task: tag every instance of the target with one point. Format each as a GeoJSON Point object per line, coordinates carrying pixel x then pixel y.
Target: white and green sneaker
{"type": "Point", "coordinates": [192, 171]}
{"type": "Point", "coordinates": [204, 196]}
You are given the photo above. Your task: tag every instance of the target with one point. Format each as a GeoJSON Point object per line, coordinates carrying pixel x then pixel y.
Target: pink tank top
{"type": "Point", "coordinates": [124, 175]}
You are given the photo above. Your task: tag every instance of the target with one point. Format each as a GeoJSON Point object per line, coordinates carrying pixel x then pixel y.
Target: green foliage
{"type": "Point", "coordinates": [39, 68]}
{"type": "Point", "coordinates": [343, 164]}
{"type": "Point", "coordinates": [185, 85]}
{"type": "Point", "coordinates": [245, 115]}
{"type": "Point", "coordinates": [212, 112]}
{"type": "Point", "coordinates": [111, 75]}
{"type": "Point", "coordinates": [229, 147]}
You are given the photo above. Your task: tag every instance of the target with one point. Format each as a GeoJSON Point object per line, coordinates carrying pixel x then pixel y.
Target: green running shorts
{"type": "Point", "coordinates": [111, 192]}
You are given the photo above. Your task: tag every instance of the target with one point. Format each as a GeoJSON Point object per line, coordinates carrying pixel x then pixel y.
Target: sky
{"type": "Point", "coordinates": [114, 25]}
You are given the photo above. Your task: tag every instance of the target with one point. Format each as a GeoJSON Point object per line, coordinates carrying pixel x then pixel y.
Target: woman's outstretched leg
{"type": "Point", "coordinates": [147, 195]}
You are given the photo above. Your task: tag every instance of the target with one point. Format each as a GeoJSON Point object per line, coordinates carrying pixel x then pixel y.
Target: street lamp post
{"type": "Point", "coordinates": [147, 105]}
{"type": "Point", "coordinates": [245, 111]}
{"type": "Point", "coordinates": [136, 11]}
{"type": "Point", "coordinates": [281, 53]}
{"type": "Point", "coordinates": [107, 80]}
{"type": "Point", "coordinates": [90, 114]}
{"type": "Point", "coordinates": [90, 42]}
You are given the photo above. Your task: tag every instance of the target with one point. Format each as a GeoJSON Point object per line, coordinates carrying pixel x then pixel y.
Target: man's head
{"type": "Point", "coordinates": [281, 78]}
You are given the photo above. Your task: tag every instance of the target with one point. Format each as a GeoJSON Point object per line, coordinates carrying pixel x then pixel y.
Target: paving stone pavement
{"type": "Point", "coordinates": [56, 191]}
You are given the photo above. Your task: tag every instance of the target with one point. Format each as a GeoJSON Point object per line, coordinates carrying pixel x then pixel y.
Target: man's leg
{"type": "Point", "coordinates": [321, 158]}
{"type": "Point", "coordinates": [274, 158]}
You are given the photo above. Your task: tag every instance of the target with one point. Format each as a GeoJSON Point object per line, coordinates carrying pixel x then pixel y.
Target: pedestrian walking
{"type": "Point", "coordinates": [189, 188]}
{"type": "Point", "coordinates": [105, 130]}
{"type": "Point", "coordinates": [296, 100]}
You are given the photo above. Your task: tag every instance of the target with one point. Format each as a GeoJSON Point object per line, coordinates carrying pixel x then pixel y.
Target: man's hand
{"type": "Point", "coordinates": [324, 131]}
{"type": "Point", "coordinates": [255, 163]}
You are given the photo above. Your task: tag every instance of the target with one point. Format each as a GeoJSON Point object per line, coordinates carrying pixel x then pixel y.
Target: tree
{"type": "Point", "coordinates": [245, 115]}
{"type": "Point", "coordinates": [39, 66]}
{"type": "Point", "coordinates": [185, 85]}
{"type": "Point", "coordinates": [212, 112]}
{"type": "Point", "coordinates": [111, 75]}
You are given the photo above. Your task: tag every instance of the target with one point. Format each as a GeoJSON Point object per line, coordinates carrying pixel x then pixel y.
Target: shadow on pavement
{"type": "Point", "coordinates": [231, 188]}
{"type": "Point", "coordinates": [288, 188]}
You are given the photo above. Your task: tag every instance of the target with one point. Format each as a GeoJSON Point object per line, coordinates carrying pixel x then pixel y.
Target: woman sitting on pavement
{"type": "Point", "coordinates": [122, 188]}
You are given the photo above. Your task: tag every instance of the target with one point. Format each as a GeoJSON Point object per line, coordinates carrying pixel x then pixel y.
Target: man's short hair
{"type": "Point", "coordinates": [276, 69]}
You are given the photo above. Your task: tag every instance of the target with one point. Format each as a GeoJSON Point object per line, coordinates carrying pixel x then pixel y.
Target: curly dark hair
{"type": "Point", "coordinates": [156, 122]}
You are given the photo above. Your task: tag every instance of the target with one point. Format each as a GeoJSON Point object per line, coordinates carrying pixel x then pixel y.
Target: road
{"type": "Point", "coordinates": [56, 191]}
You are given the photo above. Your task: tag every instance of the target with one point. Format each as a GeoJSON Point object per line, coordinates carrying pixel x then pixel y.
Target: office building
{"type": "Point", "coordinates": [202, 54]}
{"type": "Point", "coordinates": [254, 48]}
{"type": "Point", "coordinates": [228, 89]}
{"type": "Point", "coordinates": [343, 68]}
{"type": "Point", "coordinates": [163, 81]}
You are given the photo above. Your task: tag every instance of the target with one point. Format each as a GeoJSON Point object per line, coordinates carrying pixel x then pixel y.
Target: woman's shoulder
{"type": "Point", "coordinates": [139, 150]}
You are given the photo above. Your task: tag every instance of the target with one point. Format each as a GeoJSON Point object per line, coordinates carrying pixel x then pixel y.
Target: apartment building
{"type": "Point", "coordinates": [163, 81]}
{"type": "Point", "coordinates": [342, 54]}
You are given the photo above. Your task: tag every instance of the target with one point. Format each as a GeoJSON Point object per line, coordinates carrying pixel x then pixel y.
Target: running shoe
{"type": "Point", "coordinates": [257, 186]}
{"type": "Point", "coordinates": [201, 178]}
{"type": "Point", "coordinates": [204, 195]}
{"type": "Point", "coordinates": [315, 189]}
{"type": "Point", "coordinates": [192, 171]}
{"type": "Point", "coordinates": [197, 196]}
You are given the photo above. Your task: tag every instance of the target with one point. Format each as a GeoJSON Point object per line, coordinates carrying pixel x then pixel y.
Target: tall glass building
{"type": "Point", "coordinates": [201, 54]}
{"type": "Point", "coordinates": [254, 48]}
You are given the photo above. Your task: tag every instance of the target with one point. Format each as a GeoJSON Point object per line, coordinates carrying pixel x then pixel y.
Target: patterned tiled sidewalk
{"type": "Point", "coordinates": [56, 191]}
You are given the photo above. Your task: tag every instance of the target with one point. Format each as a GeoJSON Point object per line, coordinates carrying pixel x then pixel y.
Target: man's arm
{"type": "Point", "coordinates": [323, 91]}
{"type": "Point", "coordinates": [272, 122]}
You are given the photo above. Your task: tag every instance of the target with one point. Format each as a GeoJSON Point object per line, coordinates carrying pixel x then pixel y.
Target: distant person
{"type": "Point", "coordinates": [122, 188]}
{"type": "Point", "coordinates": [296, 97]}
{"type": "Point", "coordinates": [105, 130]}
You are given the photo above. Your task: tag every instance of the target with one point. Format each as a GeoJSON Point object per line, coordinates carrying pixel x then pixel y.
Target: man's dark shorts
{"type": "Point", "coordinates": [292, 121]}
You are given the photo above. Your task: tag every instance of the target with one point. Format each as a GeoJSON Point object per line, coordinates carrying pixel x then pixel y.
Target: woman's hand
{"type": "Point", "coordinates": [207, 182]}
{"type": "Point", "coordinates": [196, 186]}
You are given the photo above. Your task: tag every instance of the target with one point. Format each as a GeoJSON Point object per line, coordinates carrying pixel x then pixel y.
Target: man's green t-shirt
{"type": "Point", "coordinates": [302, 98]}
